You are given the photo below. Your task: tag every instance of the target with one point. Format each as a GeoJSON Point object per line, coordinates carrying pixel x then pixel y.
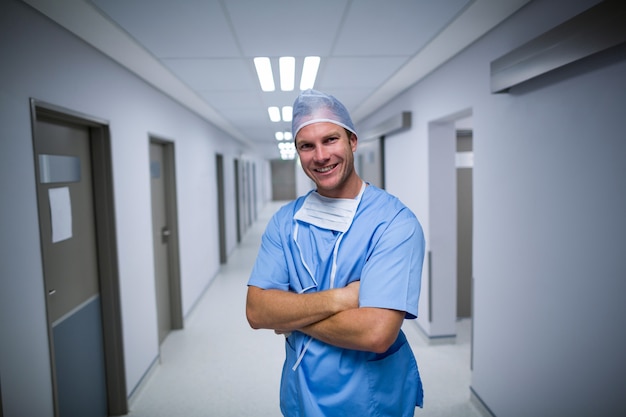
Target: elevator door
{"type": "Point", "coordinates": [70, 262]}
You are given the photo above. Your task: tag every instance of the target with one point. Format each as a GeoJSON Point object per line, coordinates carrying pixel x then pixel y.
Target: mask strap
{"type": "Point", "coordinates": [295, 239]}
{"type": "Point", "coordinates": [332, 275]}
{"type": "Point", "coordinates": [306, 347]}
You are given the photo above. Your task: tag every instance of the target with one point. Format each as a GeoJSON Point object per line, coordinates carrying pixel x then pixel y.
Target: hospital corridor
{"type": "Point", "coordinates": [219, 367]}
{"type": "Point", "coordinates": [145, 145]}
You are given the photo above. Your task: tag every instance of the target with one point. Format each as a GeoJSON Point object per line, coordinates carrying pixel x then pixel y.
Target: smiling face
{"type": "Point", "coordinates": [327, 156]}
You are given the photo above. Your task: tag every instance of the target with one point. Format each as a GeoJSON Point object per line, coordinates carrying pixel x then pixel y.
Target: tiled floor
{"type": "Point", "coordinates": [219, 367]}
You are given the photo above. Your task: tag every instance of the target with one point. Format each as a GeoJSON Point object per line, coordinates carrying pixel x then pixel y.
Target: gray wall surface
{"type": "Point", "coordinates": [40, 60]}
{"type": "Point", "coordinates": [549, 226]}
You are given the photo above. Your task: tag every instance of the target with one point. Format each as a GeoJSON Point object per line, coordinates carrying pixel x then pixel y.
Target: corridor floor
{"type": "Point", "coordinates": [219, 367]}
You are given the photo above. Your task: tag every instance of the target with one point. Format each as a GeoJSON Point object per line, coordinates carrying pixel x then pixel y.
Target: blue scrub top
{"type": "Point", "coordinates": [384, 249]}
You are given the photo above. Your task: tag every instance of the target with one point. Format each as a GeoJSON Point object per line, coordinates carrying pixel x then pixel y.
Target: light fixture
{"type": "Point", "coordinates": [287, 150]}
{"type": "Point", "coordinates": [287, 67]}
{"type": "Point", "coordinates": [309, 72]}
{"type": "Point", "coordinates": [264, 71]}
{"type": "Point", "coordinates": [287, 113]}
{"type": "Point", "coordinates": [283, 135]}
{"type": "Point", "coordinates": [274, 113]}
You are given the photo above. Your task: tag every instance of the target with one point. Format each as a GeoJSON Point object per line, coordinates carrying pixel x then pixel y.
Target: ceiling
{"type": "Point", "coordinates": [200, 52]}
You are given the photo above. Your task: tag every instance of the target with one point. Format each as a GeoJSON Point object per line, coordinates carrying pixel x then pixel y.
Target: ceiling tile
{"type": "Point", "coordinates": [393, 27]}
{"type": "Point", "coordinates": [231, 99]}
{"type": "Point", "coordinates": [175, 29]}
{"type": "Point", "coordinates": [209, 46]}
{"type": "Point", "coordinates": [214, 74]}
{"type": "Point", "coordinates": [283, 27]}
{"type": "Point", "coordinates": [358, 72]}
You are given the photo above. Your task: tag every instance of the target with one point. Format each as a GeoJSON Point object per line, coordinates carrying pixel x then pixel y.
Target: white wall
{"type": "Point", "coordinates": [42, 61]}
{"type": "Point", "coordinates": [549, 227]}
{"type": "Point", "coordinates": [549, 202]}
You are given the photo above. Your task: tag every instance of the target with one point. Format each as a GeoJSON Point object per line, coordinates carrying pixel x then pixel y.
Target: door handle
{"type": "Point", "coordinates": [165, 234]}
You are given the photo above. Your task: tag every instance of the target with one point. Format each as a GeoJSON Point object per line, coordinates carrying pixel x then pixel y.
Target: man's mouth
{"type": "Point", "coordinates": [325, 169]}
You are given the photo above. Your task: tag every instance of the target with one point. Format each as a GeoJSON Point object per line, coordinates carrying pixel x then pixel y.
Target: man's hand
{"type": "Point", "coordinates": [348, 296]}
{"type": "Point", "coordinates": [332, 316]}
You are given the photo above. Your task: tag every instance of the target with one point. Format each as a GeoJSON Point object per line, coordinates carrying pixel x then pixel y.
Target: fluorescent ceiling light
{"type": "Point", "coordinates": [287, 66]}
{"type": "Point", "coordinates": [283, 136]}
{"type": "Point", "coordinates": [264, 71]}
{"type": "Point", "coordinates": [309, 72]}
{"type": "Point", "coordinates": [274, 113]}
{"type": "Point", "coordinates": [287, 150]}
{"type": "Point", "coordinates": [287, 113]}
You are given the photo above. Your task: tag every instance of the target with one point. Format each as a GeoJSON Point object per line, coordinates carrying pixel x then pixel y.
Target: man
{"type": "Point", "coordinates": [337, 273]}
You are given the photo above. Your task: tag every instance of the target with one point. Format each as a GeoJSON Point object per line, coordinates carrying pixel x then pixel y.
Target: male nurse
{"type": "Point", "coordinates": [337, 273]}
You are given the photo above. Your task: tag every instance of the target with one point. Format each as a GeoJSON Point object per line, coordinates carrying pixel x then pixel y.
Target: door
{"type": "Point", "coordinates": [283, 179]}
{"type": "Point", "coordinates": [371, 159]}
{"type": "Point", "coordinates": [464, 163]}
{"type": "Point", "coordinates": [254, 197]}
{"type": "Point", "coordinates": [70, 262]}
{"type": "Point", "coordinates": [221, 209]}
{"type": "Point", "coordinates": [238, 200]}
{"type": "Point", "coordinates": [249, 193]}
{"type": "Point", "coordinates": [165, 242]}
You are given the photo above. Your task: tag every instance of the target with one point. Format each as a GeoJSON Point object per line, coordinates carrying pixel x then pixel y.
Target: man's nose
{"type": "Point", "coordinates": [320, 154]}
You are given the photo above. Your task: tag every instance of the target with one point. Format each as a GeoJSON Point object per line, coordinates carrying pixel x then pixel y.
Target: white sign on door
{"type": "Point", "coordinates": [60, 213]}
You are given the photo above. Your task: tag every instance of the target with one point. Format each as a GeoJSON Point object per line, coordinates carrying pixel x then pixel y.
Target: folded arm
{"type": "Point", "coordinates": [369, 329]}
{"type": "Point", "coordinates": [287, 311]}
{"type": "Point", "coordinates": [332, 316]}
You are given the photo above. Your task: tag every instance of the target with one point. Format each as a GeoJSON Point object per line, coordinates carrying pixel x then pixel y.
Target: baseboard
{"type": "Point", "coordinates": [136, 392]}
{"type": "Point", "coordinates": [449, 339]}
{"type": "Point", "coordinates": [480, 404]}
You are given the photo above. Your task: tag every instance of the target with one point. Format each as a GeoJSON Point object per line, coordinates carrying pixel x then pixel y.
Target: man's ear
{"type": "Point", "coordinates": [353, 141]}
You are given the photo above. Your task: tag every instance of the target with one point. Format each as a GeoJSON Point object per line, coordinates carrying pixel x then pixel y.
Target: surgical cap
{"type": "Point", "coordinates": [313, 106]}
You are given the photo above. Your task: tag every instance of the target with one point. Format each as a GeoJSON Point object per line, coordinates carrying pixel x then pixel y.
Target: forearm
{"type": "Point", "coordinates": [286, 311]}
{"type": "Point", "coordinates": [368, 329]}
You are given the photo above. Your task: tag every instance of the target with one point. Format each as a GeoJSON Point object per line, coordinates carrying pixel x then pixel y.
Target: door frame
{"type": "Point", "coordinates": [106, 241]}
{"type": "Point", "coordinates": [442, 200]}
{"type": "Point", "coordinates": [171, 216]}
